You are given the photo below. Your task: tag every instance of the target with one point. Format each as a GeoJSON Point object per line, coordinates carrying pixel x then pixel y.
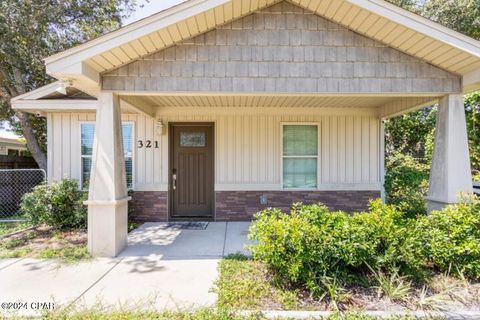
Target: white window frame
{"type": "Point", "coordinates": [133, 150]}
{"type": "Point", "coordinates": [80, 152]}
{"type": "Point", "coordinates": [317, 156]}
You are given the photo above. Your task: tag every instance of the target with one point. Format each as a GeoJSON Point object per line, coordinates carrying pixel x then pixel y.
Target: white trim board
{"type": "Point", "coordinates": [271, 187]}
{"type": "Point", "coordinates": [38, 93]}
{"type": "Point", "coordinates": [55, 105]}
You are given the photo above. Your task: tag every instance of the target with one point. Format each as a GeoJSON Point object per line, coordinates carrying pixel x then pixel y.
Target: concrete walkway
{"type": "Point", "coordinates": [161, 268]}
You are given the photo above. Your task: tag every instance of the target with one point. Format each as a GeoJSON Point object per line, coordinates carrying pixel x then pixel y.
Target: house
{"type": "Point", "coordinates": [11, 147]}
{"type": "Point", "coordinates": [214, 109]}
{"type": "Point", "coordinates": [13, 151]}
{"type": "Point", "coordinates": [10, 144]}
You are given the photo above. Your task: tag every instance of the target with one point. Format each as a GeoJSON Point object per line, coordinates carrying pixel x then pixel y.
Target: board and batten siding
{"type": "Point", "coordinates": [247, 148]}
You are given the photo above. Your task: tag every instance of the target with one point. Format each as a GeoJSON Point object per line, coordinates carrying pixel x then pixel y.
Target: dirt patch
{"type": "Point", "coordinates": [46, 242]}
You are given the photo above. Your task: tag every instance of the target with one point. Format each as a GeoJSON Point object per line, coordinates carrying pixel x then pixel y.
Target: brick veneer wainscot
{"type": "Point", "coordinates": [152, 206]}
{"type": "Point", "coordinates": [149, 206]}
{"type": "Point", "coordinates": [241, 205]}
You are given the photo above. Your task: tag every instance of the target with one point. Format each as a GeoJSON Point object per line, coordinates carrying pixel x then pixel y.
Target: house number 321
{"type": "Point", "coordinates": [147, 144]}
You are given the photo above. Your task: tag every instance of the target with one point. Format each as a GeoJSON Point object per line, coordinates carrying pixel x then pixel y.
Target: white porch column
{"type": "Point", "coordinates": [107, 198]}
{"type": "Point", "coordinates": [450, 174]}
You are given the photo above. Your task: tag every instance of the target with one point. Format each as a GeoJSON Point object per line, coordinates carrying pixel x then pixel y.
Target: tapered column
{"type": "Point", "coordinates": [450, 174]}
{"type": "Point", "coordinates": [107, 198]}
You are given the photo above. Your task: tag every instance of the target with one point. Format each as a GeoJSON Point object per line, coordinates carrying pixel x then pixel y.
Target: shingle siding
{"type": "Point", "coordinates": [281, 49]}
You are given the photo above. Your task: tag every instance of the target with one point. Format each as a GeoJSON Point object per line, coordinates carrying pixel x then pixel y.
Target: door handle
{"type": "Point", "coordinates": [174, 181]}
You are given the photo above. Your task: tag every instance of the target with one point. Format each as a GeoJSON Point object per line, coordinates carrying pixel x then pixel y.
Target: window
{"type": "Point", "coordinates": [127, 131]}
{"type": "Point", "coordinates": [87, 133]}
{"type": "Point", "coordinates": [300, 156]}
{"type": "Point", "coordinates": [192, 139]}
{"type": "Point", "coordinates": [13, 152]}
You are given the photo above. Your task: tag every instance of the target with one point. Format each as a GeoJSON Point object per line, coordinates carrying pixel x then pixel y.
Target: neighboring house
{"type": "Point", "coordinates": [13, 152]}
{"type": "Point", "coordinates": [220, 108]}
{"type": "Point", "coordinates": [12, 147]}
{"type": "Point", "coordinates": [10, 143]}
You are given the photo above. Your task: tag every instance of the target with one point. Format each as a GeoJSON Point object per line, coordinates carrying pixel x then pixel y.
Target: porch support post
{"type": "Point", "coordinates": [107, 198]}
{"type": "Point", "coordinates": [450, 174]}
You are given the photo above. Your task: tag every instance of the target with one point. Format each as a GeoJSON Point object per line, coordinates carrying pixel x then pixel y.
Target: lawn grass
{"type": "Point", "coordinates": [69, 254]}
{"type": "Point", "coordinates": [46, 243]}
{"type": "Point", "coordinates": [244, 284]}
{"type": "Point", "coordinates": [10, 227]}
{"type": "Point", "coordinates": [202, 314]}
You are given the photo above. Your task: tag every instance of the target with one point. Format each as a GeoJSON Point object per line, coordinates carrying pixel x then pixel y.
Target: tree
{"type": "Point", "coordinates": [472, 114]}
{"type": "Point", "coordinates": [408, 133]}
{"type": "Point", "coordinates": [31, 30]}
{"type": "Point", "coordinates": [460, 15]}
{"type": "Point", "coordinates": [411, 134]}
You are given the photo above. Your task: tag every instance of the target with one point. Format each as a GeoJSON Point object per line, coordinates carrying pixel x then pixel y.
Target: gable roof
{"type": "Point", "coordinates": [48, 98]}
{"type": "Point", "coordinates": [377, 19]}
{"type": "Point", "coordinates": [51, 91]}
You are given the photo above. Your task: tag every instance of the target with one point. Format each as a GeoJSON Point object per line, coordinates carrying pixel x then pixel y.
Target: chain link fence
{"type": "Point", "coordinates": [14, 183]}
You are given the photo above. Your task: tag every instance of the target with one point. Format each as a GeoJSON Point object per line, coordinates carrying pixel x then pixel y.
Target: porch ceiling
{"type": "Point", "coordinates": [277, 101]}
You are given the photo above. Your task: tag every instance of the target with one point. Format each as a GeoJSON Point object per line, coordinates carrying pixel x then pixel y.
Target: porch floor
{"type": "Point", "coordinates": [162, 268]}
{"type": "Point", "coordinates": [217, 240]}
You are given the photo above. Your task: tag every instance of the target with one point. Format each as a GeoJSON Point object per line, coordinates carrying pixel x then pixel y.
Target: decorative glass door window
{"type": "Point", "coordinates": [300, 156]}
{"type": "Point", "coordinates": [192, 139]}
{"type": "Point", "coordinates": [87, 133]}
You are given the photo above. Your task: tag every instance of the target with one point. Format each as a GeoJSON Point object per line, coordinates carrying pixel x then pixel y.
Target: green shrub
{"type": "Point", "coordinates": [476, 176]}
{"type": "Point", "coordinates": [59, 205]}
{"type": "Point", "coordinates": [310, 243]}
{"type": "Point", "coordinates": [406, 184]}
{"type": "Point", "coordinates": [451, 238]}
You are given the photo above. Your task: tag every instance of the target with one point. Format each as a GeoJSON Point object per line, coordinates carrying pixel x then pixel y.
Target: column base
{"type": "Point", "coordinates": [107, 228]}
{"type": "Point", "coordinates": [435, 205]}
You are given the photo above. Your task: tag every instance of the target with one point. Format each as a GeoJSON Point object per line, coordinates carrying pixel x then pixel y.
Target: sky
{"type": "Point", "coordinates": [147, 8]}
{"type": "Point", "coordinates": [5, 131]}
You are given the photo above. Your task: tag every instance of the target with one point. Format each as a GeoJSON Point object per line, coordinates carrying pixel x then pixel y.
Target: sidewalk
{"type": "Point", "coordinates": [161, 268]}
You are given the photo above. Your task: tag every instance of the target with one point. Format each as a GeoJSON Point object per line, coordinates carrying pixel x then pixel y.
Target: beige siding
{"type": "Point", "coordinates": [247, 147]}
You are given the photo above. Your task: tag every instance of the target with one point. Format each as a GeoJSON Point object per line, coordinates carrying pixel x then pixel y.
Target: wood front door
{"type": "Point", "coordinates": [191, 170]}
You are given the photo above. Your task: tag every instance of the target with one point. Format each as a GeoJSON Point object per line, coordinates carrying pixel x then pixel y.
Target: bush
{"type": "Point", "coordinates": [59, 205]}
{"type": "Point", "coordinates": [451, 238]}
{"type": "Point", "coordinates": [406, 184]}
{"type": "Point", "coordinates": [476, 176]}
{"type": "Point", "coordinates": [311, 243]}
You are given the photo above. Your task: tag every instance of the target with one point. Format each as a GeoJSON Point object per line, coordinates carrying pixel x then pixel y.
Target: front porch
{"type": "Point", "coordinates": [247, 153]}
